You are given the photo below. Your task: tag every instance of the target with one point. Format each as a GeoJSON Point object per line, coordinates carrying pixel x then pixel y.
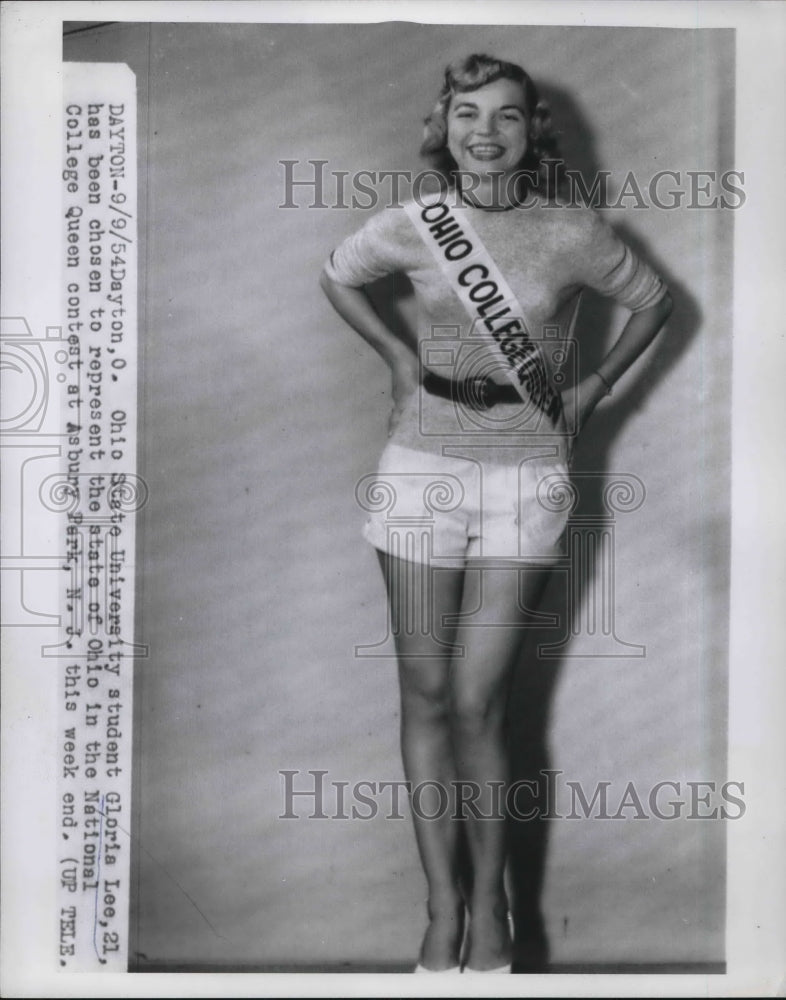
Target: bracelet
{"type": "Point", "coordinates": [604, 381]}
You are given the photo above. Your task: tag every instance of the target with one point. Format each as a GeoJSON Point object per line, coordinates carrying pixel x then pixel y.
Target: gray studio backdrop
{"type": "Point", "coordinates": [259, 412]}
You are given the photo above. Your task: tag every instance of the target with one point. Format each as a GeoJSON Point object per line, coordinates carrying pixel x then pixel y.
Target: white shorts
{"type": "Point", "coordinates": [429, 508]}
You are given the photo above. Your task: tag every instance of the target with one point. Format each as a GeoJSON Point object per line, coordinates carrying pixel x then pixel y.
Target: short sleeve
{"type": "Point", "coordinates": [609, 266]}
{"type": "Point", "coordinates": [370, 253]}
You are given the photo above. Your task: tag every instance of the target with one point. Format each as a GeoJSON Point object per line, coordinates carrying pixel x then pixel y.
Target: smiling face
{"type": "Point", "coordinates": [487, 127]}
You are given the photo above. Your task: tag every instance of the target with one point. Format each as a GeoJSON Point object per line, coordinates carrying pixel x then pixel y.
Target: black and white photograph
{"type": "Point", "coordinates": [412, 604]}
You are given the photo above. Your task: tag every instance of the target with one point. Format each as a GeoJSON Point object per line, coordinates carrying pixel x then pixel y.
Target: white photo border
{"type": "Point", "coordinates": [756, 906]}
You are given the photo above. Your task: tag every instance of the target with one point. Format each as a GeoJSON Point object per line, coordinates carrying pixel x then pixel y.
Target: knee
{"type": "Point", "coordinates": [475, 714]}
{"type": "Point", "coordinates": [428, 702]}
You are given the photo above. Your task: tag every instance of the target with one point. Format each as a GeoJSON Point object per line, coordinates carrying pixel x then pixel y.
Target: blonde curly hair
{"type": "Point", "coordinates": [541, 166]}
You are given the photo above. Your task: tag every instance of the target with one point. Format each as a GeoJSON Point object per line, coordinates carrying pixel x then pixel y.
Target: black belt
{"type": "Point", "coordinates": [476, 393]}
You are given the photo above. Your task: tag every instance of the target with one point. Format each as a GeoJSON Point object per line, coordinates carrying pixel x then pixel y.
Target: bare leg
{"type": "Point", "coordinates": [419, 596]}
{"type": "Point", "coordinates": [480, 682]}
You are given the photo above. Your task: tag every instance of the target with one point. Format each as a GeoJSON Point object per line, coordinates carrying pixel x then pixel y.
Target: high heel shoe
{"type": "Point", "coordinates": [505, 969]}
{"type": "Point", "coordinates": [482, 972]}
{"type": "Point", "coordinates": [453, 968]}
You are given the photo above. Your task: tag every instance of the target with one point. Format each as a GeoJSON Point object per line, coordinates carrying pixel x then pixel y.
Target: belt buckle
{"type": "Point", "coordinates": [478, 395]}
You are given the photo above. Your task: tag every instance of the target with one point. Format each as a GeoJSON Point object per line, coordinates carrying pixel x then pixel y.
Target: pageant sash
{"type": "Point", "coordinates": [488, 300]}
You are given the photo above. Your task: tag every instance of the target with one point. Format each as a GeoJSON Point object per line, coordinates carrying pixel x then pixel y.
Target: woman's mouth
{"type": "Point", "coordinates": [486, 151]}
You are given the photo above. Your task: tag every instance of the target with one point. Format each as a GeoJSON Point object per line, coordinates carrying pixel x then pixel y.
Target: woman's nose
{"type": "Point", "coordinates": [487, 124]}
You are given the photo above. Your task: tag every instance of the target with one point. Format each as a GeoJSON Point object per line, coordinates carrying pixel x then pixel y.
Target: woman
{"type": "Point", "coordinates": [479, 416]}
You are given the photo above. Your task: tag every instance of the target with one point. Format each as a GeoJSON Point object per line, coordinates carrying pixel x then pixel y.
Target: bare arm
{"type": "Point", "coordinates": [355, 308]}
{"type": "Point", "coordinates": [637, 334]}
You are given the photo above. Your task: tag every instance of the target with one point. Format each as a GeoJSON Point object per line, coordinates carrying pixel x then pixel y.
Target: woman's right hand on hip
{"type": "Point", "coordinates": [405, 379]}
